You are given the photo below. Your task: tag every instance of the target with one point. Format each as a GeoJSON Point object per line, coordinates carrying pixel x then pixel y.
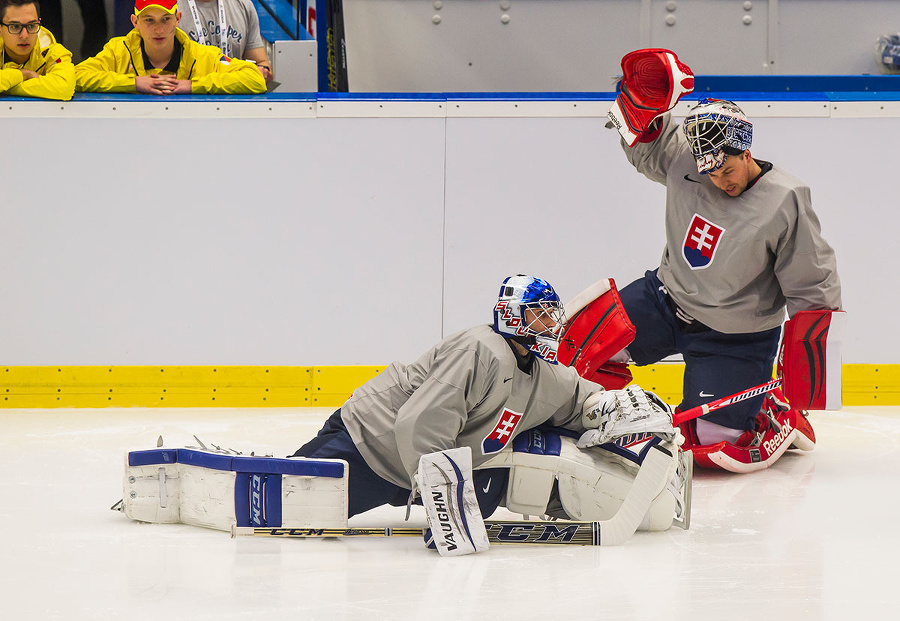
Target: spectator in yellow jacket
{"type": "Point", "coordinates": [32, 63]}
{"type": "Point", "coordinates": [157, 58]}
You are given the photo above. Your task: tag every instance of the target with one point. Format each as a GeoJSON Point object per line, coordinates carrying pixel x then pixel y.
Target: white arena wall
{"type": "Point", "coordinates": [304, 232]}
{"type": "Point", "coordinates": [576, 45]}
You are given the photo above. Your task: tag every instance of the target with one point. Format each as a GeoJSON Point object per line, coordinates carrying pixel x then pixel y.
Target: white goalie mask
{"type": "Point", "coordinates": [539, 329]}
{"type": "Point", "coordinates": [716, 128]}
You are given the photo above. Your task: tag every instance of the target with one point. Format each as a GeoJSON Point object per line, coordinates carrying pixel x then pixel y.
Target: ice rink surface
{"type": "Point", "coordinates": [814, 537]}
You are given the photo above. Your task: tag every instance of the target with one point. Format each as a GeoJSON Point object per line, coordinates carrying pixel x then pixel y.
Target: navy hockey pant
{"type": "Point", "coordinates": [717, 365]}
{"type": "Point", "coordinates": [368, 490]}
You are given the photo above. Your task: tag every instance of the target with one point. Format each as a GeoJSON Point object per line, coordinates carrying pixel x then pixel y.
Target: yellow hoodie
{"type": "Point", "coordinates": [122, 59]}
{"type": "Point", "coordinates": [50, 60]}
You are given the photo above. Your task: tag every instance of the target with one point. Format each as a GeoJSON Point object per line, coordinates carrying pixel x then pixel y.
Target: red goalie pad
{"type": "Point", "coordinates": [612, 375]}
{"type": "Point", "coordinates": [653, 80]}
{"type": "Point", "coordinates": [595, 334]}
{"type": "Point", "coordinates": [810, 359]}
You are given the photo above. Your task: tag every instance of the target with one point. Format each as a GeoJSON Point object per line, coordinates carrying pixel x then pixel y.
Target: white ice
{"type": "Point", "coordinates": [814, 537]}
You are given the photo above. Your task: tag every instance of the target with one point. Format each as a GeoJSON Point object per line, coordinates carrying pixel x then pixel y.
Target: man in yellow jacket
{"type": "Point", "coordinates": [32, 63]}
{"type": "Point", "coordinates": [157, 58]}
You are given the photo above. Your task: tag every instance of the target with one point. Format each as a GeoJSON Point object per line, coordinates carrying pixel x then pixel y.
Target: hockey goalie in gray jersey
{"type": "Point", "coordinates": [485, 418]}
{"type": "Point", "coordinates": [743, 245]}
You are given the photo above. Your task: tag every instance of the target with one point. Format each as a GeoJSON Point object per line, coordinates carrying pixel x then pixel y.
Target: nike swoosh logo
{"type": "Point", "coordinates": [487, 487]}
{"type": "Point", "coordinates": [705, 394]}
{"type": "Point", "coordinates": [688, 178]}
{"type": "Point", "coordinates": [507, 379]}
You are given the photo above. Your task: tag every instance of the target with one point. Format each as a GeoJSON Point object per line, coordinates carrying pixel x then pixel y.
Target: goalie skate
{"type": "Point", "coordinates": [778, 428]}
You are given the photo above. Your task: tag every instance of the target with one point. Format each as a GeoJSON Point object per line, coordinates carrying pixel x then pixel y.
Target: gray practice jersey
{"type": "Point", "coordinates": [240, 17]}
{"type": "Point", "coordinates": [466, 391]}
{"type": "Point", "coordinates": [734, 263]}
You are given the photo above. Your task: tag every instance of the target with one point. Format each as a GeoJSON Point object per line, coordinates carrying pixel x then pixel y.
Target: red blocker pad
{"type": "Point", "coordinates": [612, 375]}
{"type": "Point", "coordinates": [597, 331]}
{"type": "Point", "coordinates": [810, 360]}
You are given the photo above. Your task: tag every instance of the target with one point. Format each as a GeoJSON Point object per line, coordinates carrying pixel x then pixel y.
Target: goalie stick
{"type": "Point", "coordinates": [509, 531]}
{"type": "Point", "coordinates": [649, 482]}
{"type": "Point", "coordinates": [706, 408]}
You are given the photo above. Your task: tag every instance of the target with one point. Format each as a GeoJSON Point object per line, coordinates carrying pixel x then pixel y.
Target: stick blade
{"type": "Point", "coordinates": [651, 479]}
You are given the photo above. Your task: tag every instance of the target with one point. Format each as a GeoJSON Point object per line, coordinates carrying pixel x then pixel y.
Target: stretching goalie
{"type": "Point", "coordinates": [486, 418]}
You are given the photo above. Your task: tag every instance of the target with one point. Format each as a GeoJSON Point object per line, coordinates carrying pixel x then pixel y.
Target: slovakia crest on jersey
{"type": "Point", "coordinates": [503, 431]}
{"type": "Point", "coordinates": [700, 242]}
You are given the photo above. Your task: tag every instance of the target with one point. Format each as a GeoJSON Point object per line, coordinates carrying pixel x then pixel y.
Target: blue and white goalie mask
{"type": "Point", "coordinates": [715, 129]}
{"type": "Point", "coordinates": [887, 48]}
{"type": "Point", "coordinates": [529, 311]}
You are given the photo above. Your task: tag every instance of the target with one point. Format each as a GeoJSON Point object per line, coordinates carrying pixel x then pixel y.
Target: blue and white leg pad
{"type": "Point", "coordinates": [171, 485]}
{"type": "Point", "coordinates": [592, 483]}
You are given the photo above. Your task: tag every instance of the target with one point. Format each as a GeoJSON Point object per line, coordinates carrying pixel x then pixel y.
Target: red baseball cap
{"type": "Point", "coordinates": [169, 6]}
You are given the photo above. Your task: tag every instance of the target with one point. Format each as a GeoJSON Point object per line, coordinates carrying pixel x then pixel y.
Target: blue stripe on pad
{"type": "Point", "coordinates": [213, 461]}
{"type": "Point", "coordinates": [538, 442]}
{"type": "Point", "coordinates": [299, 467]}
{"type": "Point", "coordinates": [273, 500]}
{"type": "Point", "coordinates": [242, 500]}
{"type": "Point", "coordinates": [554, 443]}
{"type": "Point", "coordinates": [152, 457]}
{"type": "Point", "coordinates": [257, 499]}
{"type": "Point", "coordinates": [634, 447]}
{"type": "Point", "coordinates": [257, 465]}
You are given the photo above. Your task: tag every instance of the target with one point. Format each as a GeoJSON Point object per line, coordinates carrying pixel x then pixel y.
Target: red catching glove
{"type": "Point", "coordinates": [653, 80]}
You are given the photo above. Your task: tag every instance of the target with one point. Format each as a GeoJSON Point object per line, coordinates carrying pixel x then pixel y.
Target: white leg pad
{"type": "Point", "coordinates": [220, 491]}
{"type": "Point", "coordinates": [597, 483]}
{"type": "Point", "coordinates": [593, 483]}
{"type": "Point", "coordinates": [529, 489]}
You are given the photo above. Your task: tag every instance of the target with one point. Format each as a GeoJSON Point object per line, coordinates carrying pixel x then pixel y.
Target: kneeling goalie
{"type": "Point", "coordinates": [483, 419]}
